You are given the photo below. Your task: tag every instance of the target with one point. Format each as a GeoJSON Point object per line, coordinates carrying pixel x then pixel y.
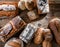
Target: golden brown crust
{"type": "Point", "coordinates": [46, 44]}
{"type": "Point", "coordinates": [14, 42]}
{"type": "Point", "coordinates": [8, 13]}
{"type": "Point", "coordinates": [39, 36]}
{"type": "Point", "coordinates": [11, 13]}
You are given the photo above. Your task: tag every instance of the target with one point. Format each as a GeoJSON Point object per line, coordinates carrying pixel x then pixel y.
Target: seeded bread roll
{"type": "Point", "coordinates": [54, 25]}
{"type": "Point", "coordinates": [38, 36]}
{"type": "Point", "coordinates": [11, 28]}
{"type": "Point", "coordinates": [14, 42]}
{"type": "Point", "coordinates": [8, 8]}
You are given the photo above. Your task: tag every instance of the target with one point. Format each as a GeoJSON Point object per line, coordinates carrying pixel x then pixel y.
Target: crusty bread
{"type": "Point", "coordinates": [8, 13]}
{"type": "Point", "coordinates": [38, 36]}
{"type": "Point", "coordinates": [54, 25]}
{"type": "Point", "coordinates": [14, 42]}
{"type": "Point", "coordinates": [11, 28]}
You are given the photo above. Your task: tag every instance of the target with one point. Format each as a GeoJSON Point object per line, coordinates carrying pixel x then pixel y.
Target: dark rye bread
{"type": "Point", "coordinates": [54, 25]}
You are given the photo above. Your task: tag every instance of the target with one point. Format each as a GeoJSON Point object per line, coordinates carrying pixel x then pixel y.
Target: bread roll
{"type": "Point", "coordinates": [21, 4]}
{"type": "Point", "coordinates": [14, 42]}
{"type": "Point", "coordinates": [38, 36]}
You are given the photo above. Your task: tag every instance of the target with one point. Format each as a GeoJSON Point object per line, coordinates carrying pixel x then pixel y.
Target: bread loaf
{"type": "Point", "coordinates": [28, 33]}
{"type": "Point", "coordinates": [54, 25]}
{"type": "Point", "coordinates": [11, 28]}
{"type": "Point", "coordinates": [43, 6]}
{"type": "Point", "coordinates": [8, 8]}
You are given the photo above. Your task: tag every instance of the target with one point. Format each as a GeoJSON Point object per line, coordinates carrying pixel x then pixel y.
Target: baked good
{"type": "Point", "coordinates": [11, 28]}
{"type": "Point", "coordinates": [38, 38]}
{"type": "Point", "coordinates": [46, 44]}
{"type": "Point", "coordinates": [8, 8]}
{"type": "Point", "coordinates": [54, 25]}
{"type": "Point", "coordinates": [47, 38]}
{"type": "Point", "coordinates": [32, 15]}
{"type": "Point", "coordinates": [42, 34]}
{"type": "Point", "coordinates": [26, 4]}
{"type": "Point", "coordinates": [29, 4]}
{"type": "Point", "coordinates": [21, 4]}
{"type": "Point", "coordinates": [14, 42]}
{"type": "Point", "coordinates": [47, 35]}
{"type": "Point", "coordinates": [28, 33]}
{"type": "Point", "coordinates": [43, 6]}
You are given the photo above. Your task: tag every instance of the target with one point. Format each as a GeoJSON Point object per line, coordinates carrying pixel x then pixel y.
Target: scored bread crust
{"type": "Point", "coordinates": [11, 13]}
{"type": "Point", "coordinates": [11, 28]}
{"type": "Point", "coordinates": [54, 26]}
